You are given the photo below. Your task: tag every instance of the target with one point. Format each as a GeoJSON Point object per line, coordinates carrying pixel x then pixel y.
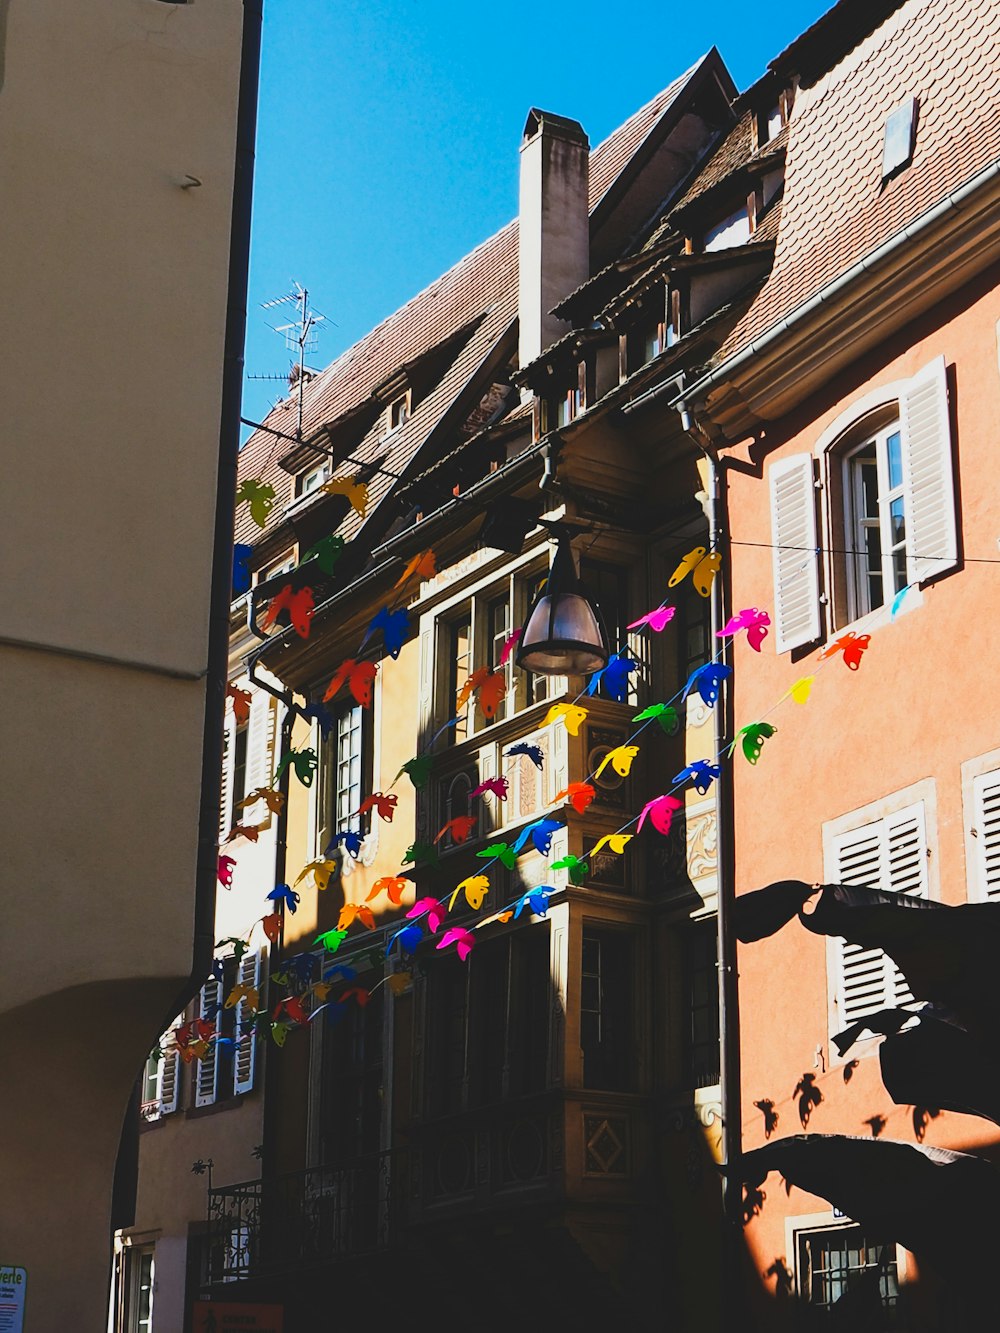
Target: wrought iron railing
{"type": "Point", "coordinates": [309, 1217]}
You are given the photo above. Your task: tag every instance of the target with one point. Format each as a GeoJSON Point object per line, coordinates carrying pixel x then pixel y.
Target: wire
{"type": "Point", "coordinates": [837, 550]}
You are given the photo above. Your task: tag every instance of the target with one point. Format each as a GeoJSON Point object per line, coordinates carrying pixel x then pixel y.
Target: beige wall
{"type": "Point", "coordinates": [115, 287]}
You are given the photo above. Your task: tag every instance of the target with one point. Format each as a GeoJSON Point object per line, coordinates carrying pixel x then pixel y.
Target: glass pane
{"type": "Point", "coordinates": [897, 521]}
{"type": "Point", "coordinates": [894, 450]}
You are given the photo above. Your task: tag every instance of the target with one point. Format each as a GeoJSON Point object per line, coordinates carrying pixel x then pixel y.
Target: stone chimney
{"type": "Point", "coordinates": [554, 226]}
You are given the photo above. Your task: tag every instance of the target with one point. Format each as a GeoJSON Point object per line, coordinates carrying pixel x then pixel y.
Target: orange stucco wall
{"type": "Point", "coordinates": [921, 704]}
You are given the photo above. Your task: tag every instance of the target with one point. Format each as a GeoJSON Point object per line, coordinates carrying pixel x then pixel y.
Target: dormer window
{"type": "Point", "coordinates": [314, 478]}
{"type": "Point", "coordinates": [899, 136]}
{"type": "Point", "coordinates": [399, 411]}
{"type": "Point", "coordinates": [733, 229]}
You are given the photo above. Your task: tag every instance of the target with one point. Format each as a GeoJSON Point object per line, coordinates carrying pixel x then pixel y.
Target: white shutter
{"type": "Point", "coordinates": [795, 558]}
{"type": "Point", "coordinates": [929, 488]}
{"type": "Point", "coordinates": [245, 1058]}
{"type": "Point", "coordinates": [260, 741]}
{"type": "Point", "coordinates": [168, 1075]}
{"type": "Point", "coordinates": [889, 854]}
{"type": "Point", "coordinates": [226, 819]}
{"type": "Point", "coordinates": [208, 1069]}
{"type": "Point", "coordinates": [986, 823]}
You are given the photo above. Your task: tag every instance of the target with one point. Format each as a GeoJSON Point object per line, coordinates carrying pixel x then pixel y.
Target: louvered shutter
{"type": "Point", "coordinates": [929, 487]}
{"type": "Point", "coordinates": [245, 1059]}
{"type": "Point", "coordinates": [168, 1075]}
{"type": "Point", "coordinates": [986, 824]}
{"type": "Point", "coordinates": [889, 854]}
{"type": "Point", "coordinates": [207, 1073]}
{"type": "Point", "coordinates": [260, 741]}
{"type": "Point", "coordinates": [795, 559]}
{"type": "Point", "coordinates": [226, 819]}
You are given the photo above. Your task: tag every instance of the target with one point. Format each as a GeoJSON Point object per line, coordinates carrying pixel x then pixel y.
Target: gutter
{"type": "Point", "coordinates": [225, 505]}
{"type": "Point", "coordinates": [951, 203]}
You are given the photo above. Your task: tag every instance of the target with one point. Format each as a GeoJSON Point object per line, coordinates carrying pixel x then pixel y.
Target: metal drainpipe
{"type": "Point", "coordinates": [729, 1017]}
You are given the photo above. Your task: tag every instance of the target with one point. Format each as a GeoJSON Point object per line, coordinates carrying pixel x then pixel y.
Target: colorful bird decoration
{"type": "Point", "coordinates": [577, 869]}
{"type": "Point", "coordinates": [664, 714]}
{"type": "Point", "coordinates": [463, 941]}
{"type": "Point", "coordinates": [351, 912]}
{"type": "Point", "coordinates": [422, 566]}
{"type": "Point", "coordinates": [657, 619]}
{"type": "Point", "coordinates": [702, 565]}
{"type": "Point", "coordinates": [460, 827]}
{"type": "Point", "coordinates": [851, 645]}
{"type": "Point", "coordinates": [572, 715]}
{"type": "Point", "coordinates": [300, 606]}
{"type": "Point", "coordinates": [579, 795]}
{"type": "Point", "coordinates": [393, 885]}
{"type": "Point", "coordinates": [533, 752]}
{"type": "Point", "coordinates": [540, 832]}
{"type": "Point", "coordinates": [286, 895]}
{"type": "Point", "coordinates": [472, 683]}
{"type": "Point", "coordinates": [802, 688]}
{"type": "Point", "coordinates": [701, 773]}
{"type": "Point", "coordinates": [394, 626]}
{"type": "Point", "coordinates": [320, 870]}
{"type": "Point", "coordinates": [331, 940]}
{"type": "Point", "coordinates": [534, 900]}
{"type": "Point", "coordinates": [499, 851]}
{"type": "Point", "coordinates": [326, 552]}
{"type": "Point", "coordinates": [616, 842]}
{"type": "Point", "coordinates": [475, 888]}
{"type": "Point", "coordinates": [241, 572]}
{"type": "Point", "coordinates": [418, 770]}
{"type": "Point", "coordinates": [242, 699]}
{"type": "Point", "coordinates": [707, 680]}
{"type": "Point", "coordinates": [320, 714]}
{"type": "Point", "coordinates": [359, 678]}
{"type": "Point", "coordinates": [238, 946]}
{"type": "Point", "coordinates": [660, 812]}
{"type": "Point", "coordinates": [249, 994]}
{"type": "Point", "coordinates": [754, 737]}
{"type": "Point", "coordinates": [225, 871]}
{"type": "Point", "coordinates": [432, 909]}
{"type": "Point", "coordinates": [420, 852]}
{"type": "Point", "coordinates": [382, 802]}
{"type": "Point", "coordinates": [305, 762]}
{"type": "Point", "coordinates": [497, 787]}
{"type": "Point", "coordinates": [510, 645]}
{"type": "Point", "coordinates": [272, 926]}
{"type": "Point", "coordinates": [614, 677]}
{"type": "Point", "coordinates": [409, 937]}
{"type": "Point", "coordinates": [356, 492]}
{"type": "Point", "coordinates": [274, 800]}
{"type": "Point", "coordinates": [753, 621]}
{"type": "Point", "coordinates": [620, 759]}
{"type": "Point", "coordinates": [351, 839]}
{"type": "Point", "coordinates": [259, 496]}
{"type": "Point", "coordinates": [491, 693]}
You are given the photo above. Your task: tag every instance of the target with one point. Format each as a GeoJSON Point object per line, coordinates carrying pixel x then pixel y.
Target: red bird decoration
{"type": "Point", "coordinates": [579, 794]}
{"type": "Point", "coordinates": [380, 801]}
{"type": "Point", "coordinates": [359, 676]}
{"type": "Point", "coordinates": [241, 702]}
{"type": "Point", "coordinates": [497, 787]}
{"type": "Point", "coordinates": [460, 827]}
{"type": "Point", "coordinates": [851, 645]}
{"type": "Point", "coordinates": [272, 926]}
{"type": "Point", "coordinates": [299, 605]}
{"type": "Point", "coordinates": [492, 693]}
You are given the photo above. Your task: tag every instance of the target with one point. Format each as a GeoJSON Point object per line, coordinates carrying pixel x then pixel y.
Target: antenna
{"type": "Point", "coordinates": [300, 336]}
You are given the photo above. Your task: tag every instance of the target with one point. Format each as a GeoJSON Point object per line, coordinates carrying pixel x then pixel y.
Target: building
{"type": "Point", "coordinates": [122, 431]}
{"type": "Point", "coordinates": [731, 299]}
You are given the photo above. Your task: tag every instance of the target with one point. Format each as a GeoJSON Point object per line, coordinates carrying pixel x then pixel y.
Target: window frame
{"type": "Point", "coordinates": [857, 520]}
{"type": "Point", "coordinates": [921, 797]}
{"type": "Point", "coordinates": [980, 797]}
{"type": "Point", "coordinates": [800, 1228]}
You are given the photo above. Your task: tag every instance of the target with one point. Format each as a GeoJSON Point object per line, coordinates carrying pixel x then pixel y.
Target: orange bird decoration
{"type": "Point", "coordinates": [421, 566]}
{"type": "Point", "coordinates": [579, 794]}
{"type": "Point", "coordinates": [391, 884]}
{"type": "Point", "coordinates": [351, 912]}
{"type": "Point", "coordinates": [356, 492]}
{"type": "Point", "coordinates": [241, 702]}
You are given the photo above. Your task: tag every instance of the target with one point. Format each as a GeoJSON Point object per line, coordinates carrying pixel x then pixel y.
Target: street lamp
{"type": "Point", "coordinates": [563, 634]}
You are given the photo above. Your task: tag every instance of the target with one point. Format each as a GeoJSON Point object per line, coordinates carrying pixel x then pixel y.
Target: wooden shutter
{"type": "Point", "coordinates": [889, 854]}
{"type": "Point", "coordinates": [245, 1057]}
{"type": "Point", "coordinates": [260, 741]}
{"type": "Point", "coordinates": [226, 820]}
{"type": "Point", "coordinates": [795, 559]}
{"type": "Point", "coordinates": [168, 1075]}
{"type": "Point", "coordinates": [207, 1073]}
{"type": "Point", "coordinates": [986, 825]}
{"type": "Point", "coordinates": [929, 487]}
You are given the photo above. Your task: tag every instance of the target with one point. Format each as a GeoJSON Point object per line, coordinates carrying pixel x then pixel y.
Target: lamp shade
{"type": "Point", "coordinates": [563, 634]}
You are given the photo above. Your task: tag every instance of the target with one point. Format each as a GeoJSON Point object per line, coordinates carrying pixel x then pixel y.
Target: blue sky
{"type": "Point", "coordinates": [388, 133]}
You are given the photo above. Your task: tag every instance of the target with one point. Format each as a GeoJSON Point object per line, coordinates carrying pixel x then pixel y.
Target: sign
{"type": "Point", "coordinates": [13, 1285]}
{"type": "Point", "coordinates": [230, 1317]}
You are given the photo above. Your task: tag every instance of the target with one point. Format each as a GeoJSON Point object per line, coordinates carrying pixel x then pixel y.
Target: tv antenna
{"type": "Point", "coordinates": [300, 335]}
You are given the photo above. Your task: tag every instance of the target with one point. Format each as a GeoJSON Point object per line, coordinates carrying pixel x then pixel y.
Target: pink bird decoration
{"type": "Point", "coordinates": [661, 812]}
{"type": "Point", "coordinates": [510, 645]}
{"type": "Point", "coordinates": [656, 619]}
{"type": "Point", "coordinates": [434, 911]}
{"type": "Point", "coordinates": [498, 787]}
{"type": "Point", "coordinates": [226, 864]}
{"type": "Point", "coordinates": [753, 621]}
{"type": "Point", "coordinates": [461, 938]}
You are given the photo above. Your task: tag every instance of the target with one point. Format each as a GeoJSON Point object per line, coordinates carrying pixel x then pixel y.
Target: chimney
{"type": "Point", "coordinates": [553, 228]}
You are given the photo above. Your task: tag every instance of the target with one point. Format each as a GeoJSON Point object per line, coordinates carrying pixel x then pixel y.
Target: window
{"type": "Point", "coordinates": [138, 1289]}
{"type": "Point", "coordinates": [311, 481]}
{"type": "Point", "coordinates": [240, 764]}
{"type": "Point", "coordinates": [399, 411]}
{"type": "Point", "coordinates": [606, 1001]}
{"type": "Point", "coordinates": [831, 1261]}
{"type": "Point", "coordinates": [890, 854]}
{"type": "Point", "coordinates": [161, 1080]}
{"type": "Point", "coordinates": [981, 804]}
{"type": "Point", "coordinates": [875, 509]}
{"type": "Point", "coordinates": [732, 230]}
{"type": "Point", "coordinates": [344, 775]}
{"type": "Point", "coordinates": [887, 515]}
{"type": "Point", "coordinates": [227, 1071]}
{"type": "Point", "coordinates": [248, 759]}
{"type": "Point", "coordinates": [899, 138]}
{"type": "Point", "coordinates": [351, 1089]}
{"type": "Point", "coordinates": [563, 408]}
{"type": "Point", "coordinates": [607, 585]}
{"type": "Point", "coordinates": [701, 1005]}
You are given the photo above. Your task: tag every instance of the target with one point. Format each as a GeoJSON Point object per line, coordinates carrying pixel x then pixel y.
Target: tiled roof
{"type": "Point", "coordinates": [836, 208]}
{"type": "Point", "coordinates": [484, 283]}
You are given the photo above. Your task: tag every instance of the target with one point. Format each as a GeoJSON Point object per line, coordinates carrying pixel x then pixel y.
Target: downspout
{"type": "Point", "coordinates": [729, 1015]}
